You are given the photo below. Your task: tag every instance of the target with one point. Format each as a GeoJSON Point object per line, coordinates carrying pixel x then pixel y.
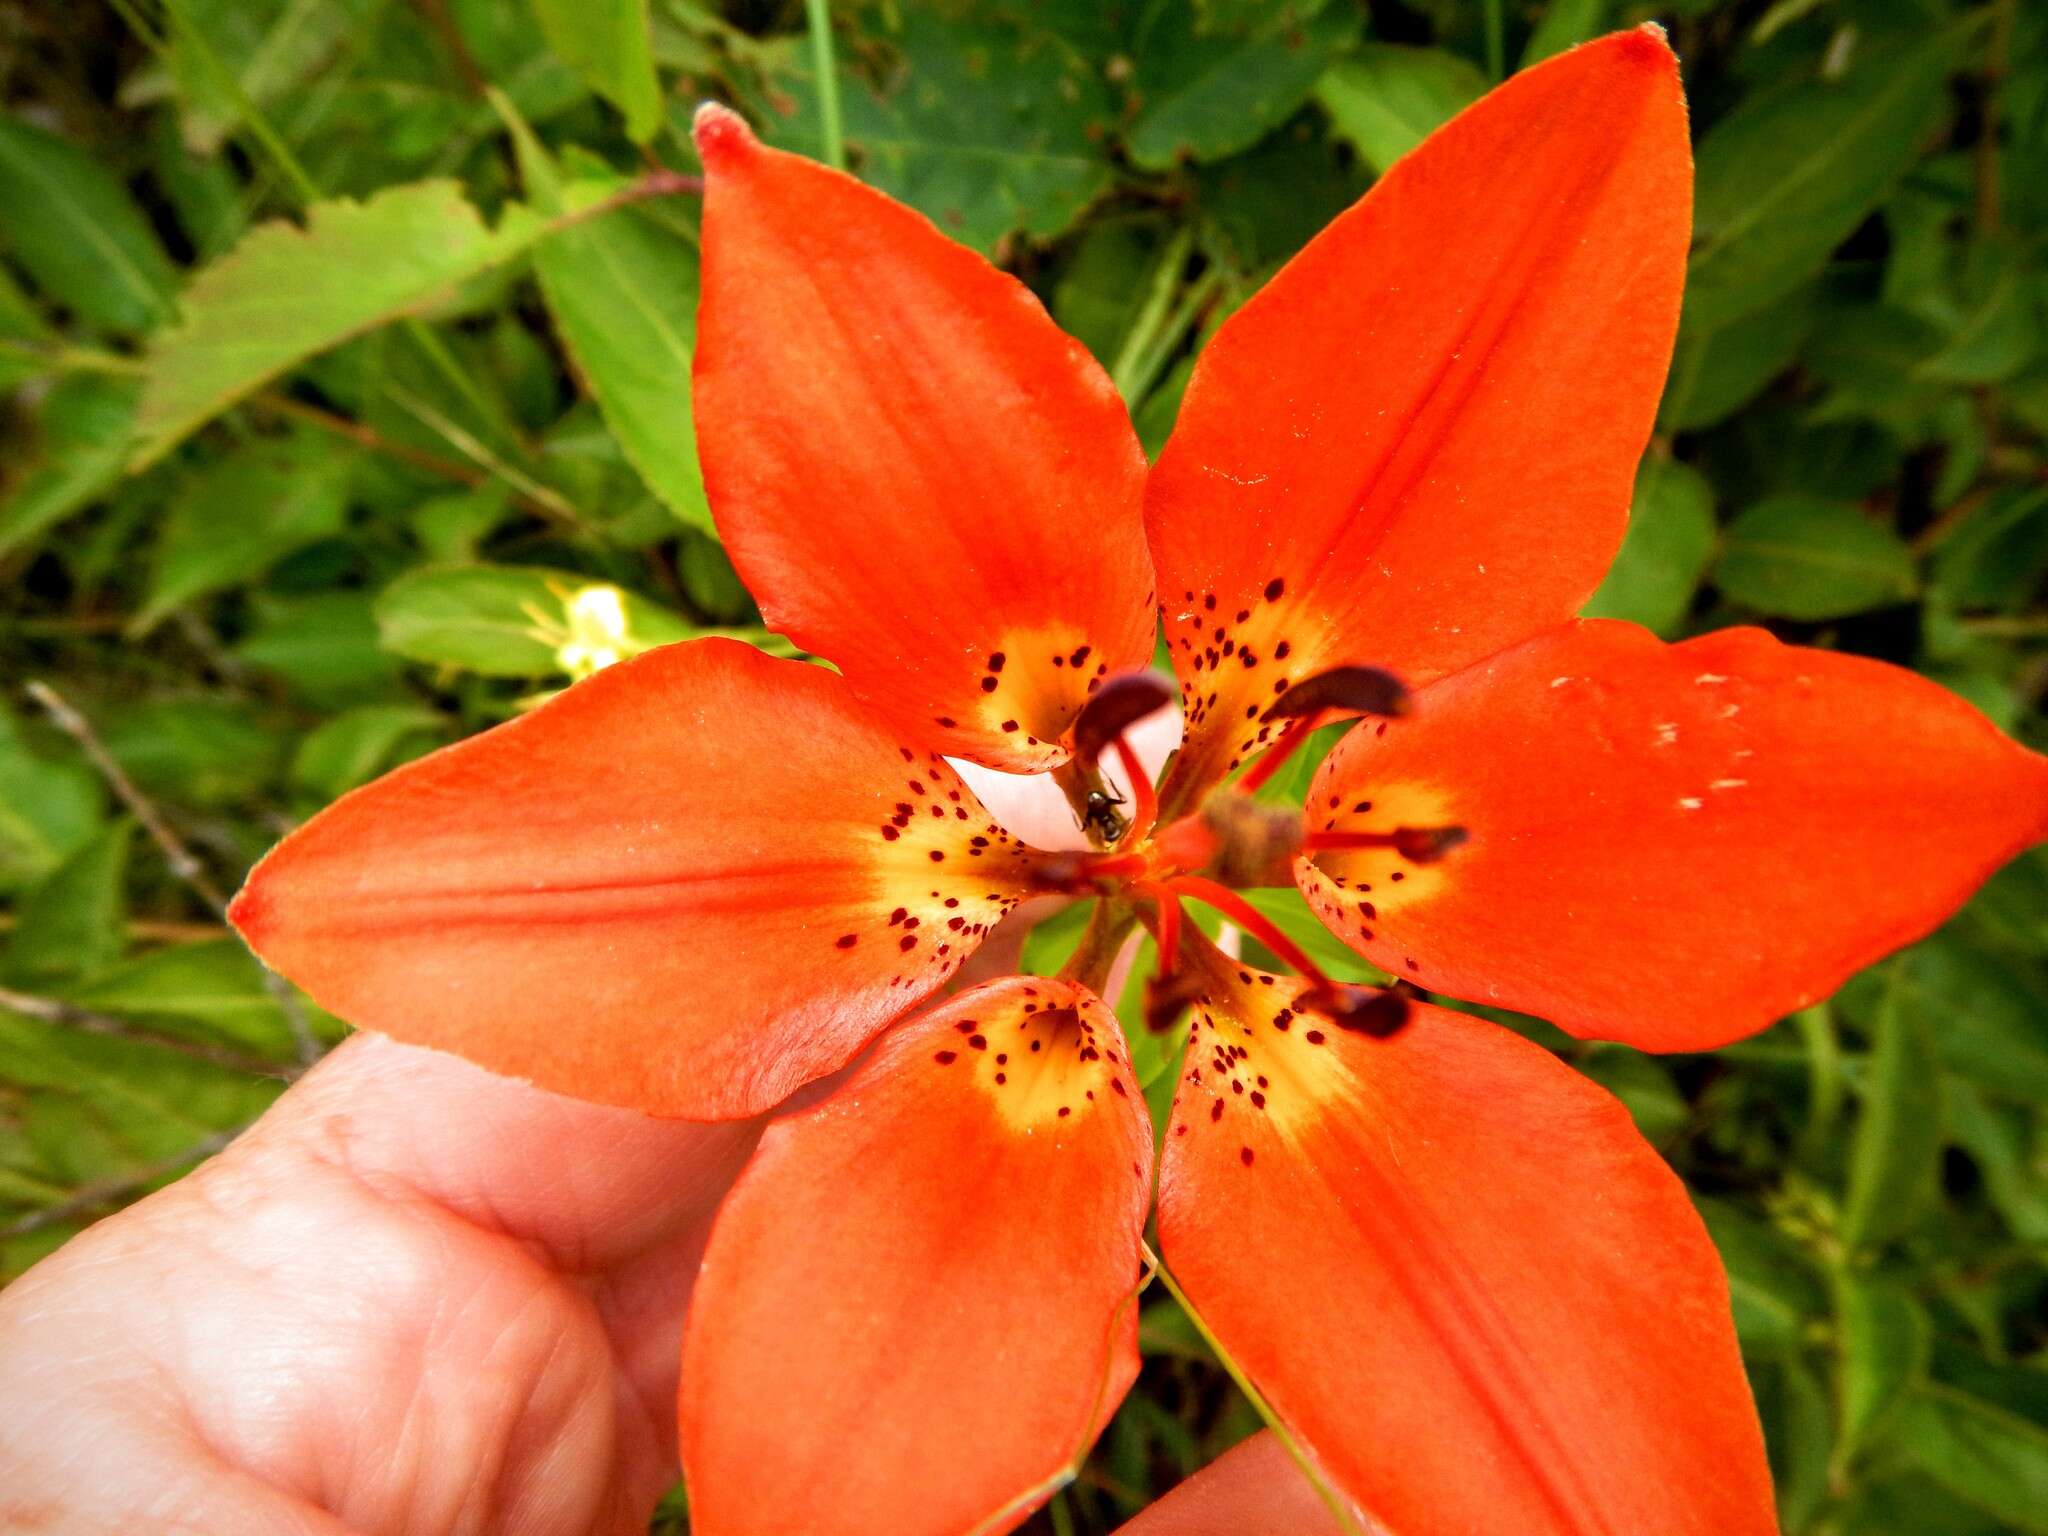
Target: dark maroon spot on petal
{"type": "Point", "coordinates": [945, 1058]}
{"type": "Point", "coordinates": [995, 662]}
{"type": "Point", "coordinates": [988, 685]}
{"type": "Point", "coordinates": [1009, 725]}
{"type": "Point", "coordinates": [1313, 1037]}
{"type": "Point", "coordinates": [847, 940]}
{"type": "Point", "coordinates": [1274, 588]}
{"type": "Point", "coordinates": [890, 834]}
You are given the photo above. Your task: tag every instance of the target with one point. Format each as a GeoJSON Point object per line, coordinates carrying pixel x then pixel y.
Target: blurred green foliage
{"type": "Point", "coordinates": [345, 346]}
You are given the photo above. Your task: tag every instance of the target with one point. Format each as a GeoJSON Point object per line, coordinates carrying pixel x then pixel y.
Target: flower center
{"type": "Point", "coordinates": [1232, 842]}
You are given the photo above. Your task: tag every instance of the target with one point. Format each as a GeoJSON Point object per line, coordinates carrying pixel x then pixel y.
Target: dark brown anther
{"type": "Point", "coordinates": [1363, 1010]}
{"type": "Point", "coordinates": [1425, 845]}
{"type": "Point", "coordinates": [1362, 690]}
{"type": "Point", "coordinates": [1120, 703]}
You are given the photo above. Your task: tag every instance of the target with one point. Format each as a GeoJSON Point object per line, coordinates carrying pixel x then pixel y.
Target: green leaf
{"type": "Point", "coordinates": [234, 520]}
{"type": "Point", "coordinates": [78, 234]}
{"type": "Point", "coordinates": [1979, 1452]}
{"type": "Point", "coordinates": [323, 644]}
{"type": "Point", "coordinates": [47, 809]}
{"type": "Point", "coordinates": [494, 619]}
{"type": "Point", "coordinates": [985, 124]}
{"type": "Point", "coordinates": [268, 47]}
{"type": "Point", "coordinates": [1883, 1337]}
{"type": "Point", "coordinates": [1772, 1285]}
{"type": "Point", "coordinates": [622, 289]}
{"type": "Point", "coordinates": [1386, 99]}
{"type": "Point", "coordinates": [1205, 95]}
{"type": "Point", "coordinates": [1291, 914]}
{"type": "Point", "coordinates": [70, 924]}
{"type": "Point", "coordinates": [212, 989]}
{"type": "Point", "coordinates": [608, 45]}
{"type": "Point", "coordinates": [1787, 175]}
{"type": "Point", "coordinates": [285, 293]}
{"type": "Point", "coordinates": [200, 749]}
{"type": "Point", "coordinates": [356, 745]}
{"type": "Point", "coordinates": [1895, 1157]}
{"type": "Point", "coordinates": [88, 420]}
{"type": "Point", "coordinates": [1670, 540]}
{"type": "Point", "coordinates": [1565, 24]}
{"type": "Point", "coordinates": [1646, 1089]}
{"type": "Point", "coordinates": [1715, 373]}
{"type": "Point", "coordinates": [1805, 557]}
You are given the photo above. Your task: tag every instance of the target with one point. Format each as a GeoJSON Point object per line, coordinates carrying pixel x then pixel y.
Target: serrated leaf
{"type": "Point", "coordinates": [607, 44]}
{"type": "Point", "coordinates": [1205, 95]}
{"type": "Point", "coordinates": [1806, 557]}
{"type": "Point", "coordinates": [78, 234]}
{"type": "Point", "coordinates": [285, 293]}
{"type": "Point", "coordinates": [1386, 99]}
{"type": "Point", "coordinates": [1665, 553]}
{"type": "Point", "coordinates": [1787, 175]}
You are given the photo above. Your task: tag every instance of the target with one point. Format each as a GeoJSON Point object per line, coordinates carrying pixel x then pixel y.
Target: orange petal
{"type": "Point", "coordinates": [1671, 845]}
{"type": "Point", "coordinates": [688, 885]}
{"type": "Point", "coordinates": [1253, 1486]}
{"type": "Point", "coordinates": [1416, 444]}
{"type": "Point", "coordinates": [919, 1302]}
{"type": "Point", "coordinates": [1457, 1274]}
{"type": "Point", "coordinates": [917, 474]}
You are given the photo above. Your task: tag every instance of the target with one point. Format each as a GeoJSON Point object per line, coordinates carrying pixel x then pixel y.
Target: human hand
{"type": "Point", "coordinates": [413, 1297]}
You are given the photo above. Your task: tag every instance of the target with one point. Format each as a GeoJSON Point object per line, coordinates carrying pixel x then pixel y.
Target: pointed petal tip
{"type": "Point", "coordinates": [722, 135]}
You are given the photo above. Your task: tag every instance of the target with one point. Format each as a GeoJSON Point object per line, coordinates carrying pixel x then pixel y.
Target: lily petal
{"type": "Point", "coordinates": [1253, 1486]}
{"type": "Point", "coordinates": [1415, 445]}
{"type": "Point", "coordinates": [1670, 845]}
{"type": "Point", "coordinates": [918, 476]}
{"type": "Point", "coordinates": [919, 1301]}
{"type": "Point", "coordinates": [1458, 1275]}
{"type": "Point", "coordinates": [687, 885]}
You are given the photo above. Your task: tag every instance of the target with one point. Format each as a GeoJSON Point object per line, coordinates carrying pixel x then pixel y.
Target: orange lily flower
{"type": "Point", "coordinates": [704, 878]}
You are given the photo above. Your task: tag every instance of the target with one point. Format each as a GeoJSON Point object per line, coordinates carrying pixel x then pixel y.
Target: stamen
{"type": "Point", "coordinates": [1283, 748]}
{"type": "Point", "coordinates": [1144, 798]}
{"type": "Point", "coordinates": [1418, 845]}
{"type": "Point", "coordinates": [1252, 921]}
{"type": "Point", "coordinates": [1363, 690]}
{"type": "Point", "coordinates": [1120, 703]}
{"type": "Point", "coordinates": [1167, 930]}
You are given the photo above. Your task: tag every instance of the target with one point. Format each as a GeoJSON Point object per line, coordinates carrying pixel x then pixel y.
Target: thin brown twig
{"type": "Point", "coordinates": [184, 864]}
{"type": "Point", "coordinates": [54, 1010]}
{"type": "Point", "coordinates": [111, 1191]}
{"type": "Point", "coordinates": [152, 930]}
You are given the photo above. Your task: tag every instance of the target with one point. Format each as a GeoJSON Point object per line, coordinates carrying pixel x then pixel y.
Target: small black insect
{"type": "Point", "coordinates": [1102, 819]}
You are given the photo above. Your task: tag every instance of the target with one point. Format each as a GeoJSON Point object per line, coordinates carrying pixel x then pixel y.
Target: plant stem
{"type": "Point", "coordinates": [183, 863]}
{"type": "Point", "coordinates": [830, 129]}
{"type": "Point", "coordinates": [1346, 1520]}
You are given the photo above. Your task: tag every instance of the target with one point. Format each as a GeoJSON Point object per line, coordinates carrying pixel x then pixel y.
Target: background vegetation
{"type": "Point", "coordinates": [345, 345]}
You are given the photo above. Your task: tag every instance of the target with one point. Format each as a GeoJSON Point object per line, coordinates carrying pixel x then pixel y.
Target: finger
{"type": "Point", "coordinates": [1255, 1486]}
{"type": "Point", "coordinates": [588, 1186]}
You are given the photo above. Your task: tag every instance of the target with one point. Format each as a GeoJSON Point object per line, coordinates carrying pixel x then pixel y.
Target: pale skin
{"type": "Point", "coordinates": [414, 1297]}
